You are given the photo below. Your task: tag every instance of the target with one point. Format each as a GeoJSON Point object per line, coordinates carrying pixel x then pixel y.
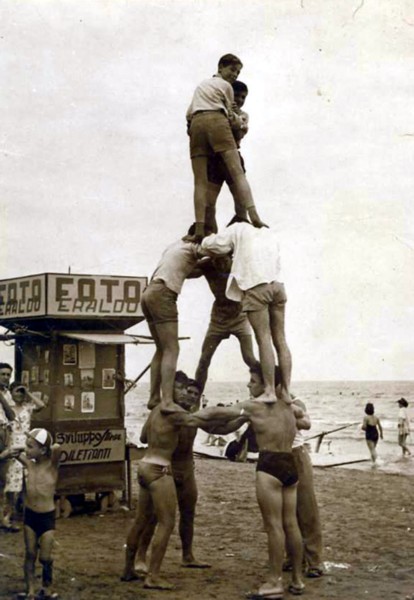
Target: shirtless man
{"type": "Point", "coordinates": [181, 431]}
{"type": "Point", "coordinates": [274, 425]}
{"type": "Point", "coordinates": [186, 395]}
{"type": "Point", "coordinates": [227, 318]}
{"type": "Point", "coordinates": [166, 478]}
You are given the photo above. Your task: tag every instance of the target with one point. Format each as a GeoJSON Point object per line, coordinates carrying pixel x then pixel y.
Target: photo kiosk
{"type": "Point", "coordinates": [70, 351]}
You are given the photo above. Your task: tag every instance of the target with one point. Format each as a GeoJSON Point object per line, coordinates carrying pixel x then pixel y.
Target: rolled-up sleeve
{"type": "Point", "coordinates": [218, 243]}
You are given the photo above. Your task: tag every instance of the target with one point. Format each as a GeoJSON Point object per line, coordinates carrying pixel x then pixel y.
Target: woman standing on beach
{"type": "Point", "coordinates": [403, 426]}
{"type": "Point", "coordinates": [372, 425]}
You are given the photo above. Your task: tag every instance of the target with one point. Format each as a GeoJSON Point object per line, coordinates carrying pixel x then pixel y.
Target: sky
{"type": "Point", "coordinates": [95, 172]}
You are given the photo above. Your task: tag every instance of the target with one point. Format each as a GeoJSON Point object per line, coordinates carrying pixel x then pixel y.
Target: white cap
{"type": "Point", "coordinates": [42, 437]}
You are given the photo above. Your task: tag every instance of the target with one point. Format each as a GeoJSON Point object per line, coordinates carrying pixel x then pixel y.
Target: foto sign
{"type": "Point", "coordinates": [59, 295]}
{"type": "Point", "coordinates": [23, 297]}
{"type": "Point", "coordinates": [94, 295]}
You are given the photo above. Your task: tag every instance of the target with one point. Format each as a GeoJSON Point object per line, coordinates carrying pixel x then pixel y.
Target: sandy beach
{"type": "Point", "coordinates": [368, 539]}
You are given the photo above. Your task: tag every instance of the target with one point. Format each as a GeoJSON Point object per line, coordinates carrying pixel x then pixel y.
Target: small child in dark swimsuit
{"type": "Point", "coordinates": [41, 461]}
{"type": "Point", "coordinates": [371, 425]}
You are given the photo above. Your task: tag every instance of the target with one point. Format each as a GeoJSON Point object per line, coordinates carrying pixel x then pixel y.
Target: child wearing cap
{"type": "Point", "coordinates": [41, 460]}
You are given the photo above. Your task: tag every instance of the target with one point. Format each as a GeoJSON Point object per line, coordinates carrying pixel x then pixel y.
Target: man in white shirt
{"type": "Point", "coordinates": [255, 281]}
{"type": "Point", "coordinates": [209, 119]}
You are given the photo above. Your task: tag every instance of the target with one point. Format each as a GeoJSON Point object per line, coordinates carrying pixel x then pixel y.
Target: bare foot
{"type": "Point", "coordinates": [195, 564]}
{"type": "Point", "coordinates": [132, 576]}
{"type": "Point", "coordinates": [168, 408]}
{"type": "Point", "coordinates": [153, 402]}
{"type": "Point", "coordinates": [285, 396]}
{"type": "Point", "coordinates": [273, 590]}
{"type": "Point", "coordinates": [266, 398]}
{"type": "Point", "coordinates": [296, 589]}
{"type": "Point", "coordinates": [141, 567]}
{"type": "Point", "coordinates": [155, 583]}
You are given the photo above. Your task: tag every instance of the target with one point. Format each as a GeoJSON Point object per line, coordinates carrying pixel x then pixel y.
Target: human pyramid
{"type": "Point", "coordinates": [242, 266]}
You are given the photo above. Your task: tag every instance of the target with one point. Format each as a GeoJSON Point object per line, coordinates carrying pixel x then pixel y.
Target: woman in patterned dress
{"type": "Point", "coordinates": [25, 404]}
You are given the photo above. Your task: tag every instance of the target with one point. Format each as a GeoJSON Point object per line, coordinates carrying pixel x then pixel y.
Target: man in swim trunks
{"type": "Point", "coordinates": [157, 498]}
{"type": "Point", "coordinates": [274, 425]}
{"type": "Point", "coordinates": [187, 396]}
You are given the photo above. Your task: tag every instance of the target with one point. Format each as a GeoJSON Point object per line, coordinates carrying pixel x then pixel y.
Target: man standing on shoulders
{"type": "Point", "coordinates": [255, 281]}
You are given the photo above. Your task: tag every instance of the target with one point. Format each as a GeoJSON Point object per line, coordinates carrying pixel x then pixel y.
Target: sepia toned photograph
{"type": "Point", "coordinates": [69, 402]}
{"type": "Point", "coordinates": [87, 378]}
{"type": "Point", "coordinates": [69, 354]}
{"type": "Point", "coordinates": [88, 402]}
{"type": "Point", "coordinates": [207, 241]}
{"type": "Point", "coordinates": [25, 378]}
{"type": "Point", "coordinates": [86, 356]}
{"type": "Point", "coordinates": [34, 375]}
{"type": "Point", "coordinates": [68, 379]}
{"type": "Point", "coordinates": [108, 379]}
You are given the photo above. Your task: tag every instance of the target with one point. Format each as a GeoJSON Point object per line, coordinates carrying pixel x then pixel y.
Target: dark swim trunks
{"type": "Point", "coordinates": [39, 522]}
{"type": "Point", "coordinates": [371, 433]}
{"type": "Point", "coordinates": [150, 472]}
{"type": "Point", "coordinates": [280, 465]}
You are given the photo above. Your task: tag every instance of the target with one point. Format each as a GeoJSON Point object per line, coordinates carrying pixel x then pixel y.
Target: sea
{"type": "Point", "coordinates": [330, 404]}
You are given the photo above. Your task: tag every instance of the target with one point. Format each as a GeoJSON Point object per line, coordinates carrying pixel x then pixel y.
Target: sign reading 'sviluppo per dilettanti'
{"type": "Point", "coordinates": [91, 446]}
{"type": "Point", "coordinates": [60, 295]}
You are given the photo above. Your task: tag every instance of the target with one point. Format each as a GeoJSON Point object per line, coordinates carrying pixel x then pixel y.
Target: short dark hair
{"type": "Point", "coordinates": [181, 377]}
{"type": "Point", "coordinates": [229, 59]}
{"type": "Point", "coordinates": [194, 383]}
{"type": "Point", "coordinates": [6, 366]}
{"type": "Point", "coordinates": [16, 384]}
{"type": "Point", "coordinates": [257, 369]}
{"type": "Point", "coordinates": [239, 86]}
{"type": "Point", "coordinates": [369, 409]}
{"type": "Point", "coordinates": [208, 230]}
{"type": "Point", "coordinates": [402, 402]}
{"type": "Point", "coordinates": [237, 219]}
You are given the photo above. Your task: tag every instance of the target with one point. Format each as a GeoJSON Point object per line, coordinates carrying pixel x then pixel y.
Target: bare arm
{"type": "Point", "coordinates": [380, 429]}
{"type": "Point", "coordinates": [8, 411]}
{"type": "Point", "coordinates": [364, 424]}
{"type": "Point", "coordinates": [39, 404]}
{"type": "Point", "coordinates": [222, 414]}
{"type": "Point", "coordinates": [224, 428]}
{"type": "Point", "coordinates": [22, 458]}
{"type": "Point", "coordinates": [55, 457]}
{"type": "Point", "coordinates": [302, 418]}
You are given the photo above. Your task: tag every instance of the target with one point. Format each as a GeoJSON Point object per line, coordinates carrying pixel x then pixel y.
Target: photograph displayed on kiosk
{"type": "Point", "coordinates": [34, 375]}
{"type": "Point", "coordinates": [108, 379]}
{"type": "Point", "coordinates": [68, 379]}
{"type": "Point", "coordinates": [69, 354]}
{"type": "Point", "coordinates": [88, 402]}
{"type": "Point", "coordinates": [87, 378]}
{"type": "Point", "coordinates": [69, 402]}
